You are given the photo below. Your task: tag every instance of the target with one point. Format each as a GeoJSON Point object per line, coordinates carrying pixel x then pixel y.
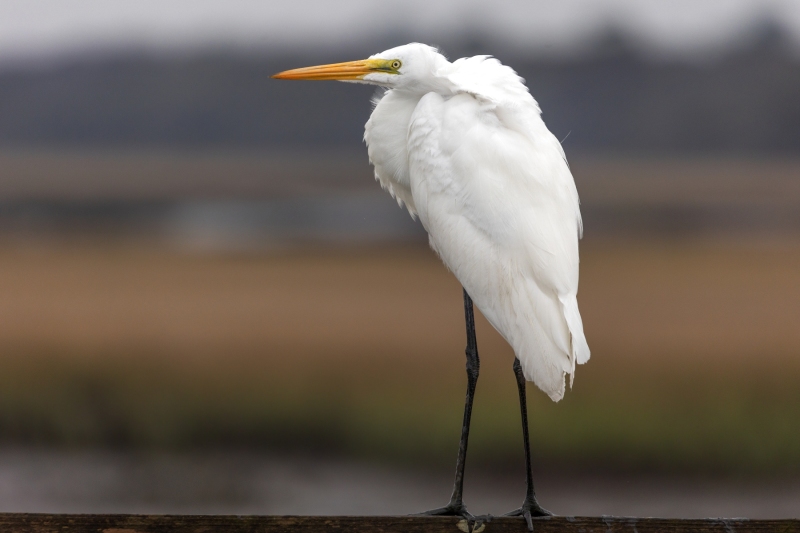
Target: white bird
{"type": "Point", "coordinates": [463, 146]}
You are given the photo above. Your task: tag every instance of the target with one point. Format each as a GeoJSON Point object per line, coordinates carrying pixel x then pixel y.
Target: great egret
{"type": "Point", "coordinates": [464, 147]}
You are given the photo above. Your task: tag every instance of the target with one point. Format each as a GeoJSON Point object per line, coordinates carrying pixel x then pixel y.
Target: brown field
{"type": "Point", "coordinates": [639, 300]}
{"type": "Point", "coordinates": [696, 354]}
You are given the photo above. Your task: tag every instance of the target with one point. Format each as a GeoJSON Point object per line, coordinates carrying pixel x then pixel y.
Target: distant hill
{"type": "Point", "coordinates": [611, 99]}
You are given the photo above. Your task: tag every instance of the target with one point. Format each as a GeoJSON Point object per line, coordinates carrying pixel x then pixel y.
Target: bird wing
{"type": "Point", "coordinates": [493, 190]}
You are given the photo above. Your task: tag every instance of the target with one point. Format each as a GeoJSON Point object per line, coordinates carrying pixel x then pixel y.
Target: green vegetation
{"type": "Point", "coordinates": [619, 415]}
{"type": "Point", "coordinates": [694, 364]}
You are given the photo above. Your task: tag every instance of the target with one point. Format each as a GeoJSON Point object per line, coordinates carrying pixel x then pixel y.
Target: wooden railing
{"type": "Point", "coordinates": [73, 523]}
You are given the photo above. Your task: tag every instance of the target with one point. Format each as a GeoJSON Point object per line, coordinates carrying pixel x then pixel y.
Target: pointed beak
{"type": "Point", "coordinates": [351, 70]}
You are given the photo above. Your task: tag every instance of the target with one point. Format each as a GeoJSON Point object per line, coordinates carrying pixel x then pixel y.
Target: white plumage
{"type": "Point", "coordinates": [470, 155]}
{"type": "Point", "coordinates": [462, 145]}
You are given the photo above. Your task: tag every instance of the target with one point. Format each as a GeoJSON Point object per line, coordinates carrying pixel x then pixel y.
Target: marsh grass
{"type": "Point", "coordinates": [694, 367]}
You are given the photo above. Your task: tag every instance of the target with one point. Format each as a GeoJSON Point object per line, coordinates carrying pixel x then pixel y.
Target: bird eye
{"type": "Point", "coordinates": [396, 64]}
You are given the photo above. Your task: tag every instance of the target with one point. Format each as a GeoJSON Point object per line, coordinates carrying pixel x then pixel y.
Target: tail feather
{"type": "Point", "coordinates": [580, 348]}
{"type": "Point", "coordinates": [540, 338]}
{"type": "Point", "coordinates": [548, 338]}
{"type": "Point", "coordinates": [580, 352]}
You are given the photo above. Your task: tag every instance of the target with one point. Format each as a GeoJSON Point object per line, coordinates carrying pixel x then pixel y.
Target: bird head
{"type": "Point", "coordinates": [411, 66]}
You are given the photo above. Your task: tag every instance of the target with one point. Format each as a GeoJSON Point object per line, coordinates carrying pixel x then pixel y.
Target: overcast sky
{"type": "Point", "coordinates": [31, 29]}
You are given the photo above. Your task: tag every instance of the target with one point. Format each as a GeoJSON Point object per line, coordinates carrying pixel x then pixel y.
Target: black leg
{"type": "Point", "coordinates": [456, 506]}
{"type": "Point", "coordinates": [530, 507]}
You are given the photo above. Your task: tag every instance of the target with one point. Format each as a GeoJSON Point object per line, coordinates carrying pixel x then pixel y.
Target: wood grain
{"type": "Point", "coordinates": [66, 523]}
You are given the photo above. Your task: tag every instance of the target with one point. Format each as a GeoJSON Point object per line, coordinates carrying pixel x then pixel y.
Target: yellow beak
{"type": "Point", "coordinates": [351, 70]}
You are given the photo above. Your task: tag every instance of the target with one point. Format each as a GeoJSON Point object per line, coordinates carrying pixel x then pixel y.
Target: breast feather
{"type": "Point", "coordinates": [386, 134]}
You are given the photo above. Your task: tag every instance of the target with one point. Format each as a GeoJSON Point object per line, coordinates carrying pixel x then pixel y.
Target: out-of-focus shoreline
{"type": "Point", "coordinates": [247, 482]}
{"type": "Point", "coordinates": [179, 300]}
{"type": "Point", "coordinates": [246, 201]}
{"type": "Point", "coordinates": [359, 352]}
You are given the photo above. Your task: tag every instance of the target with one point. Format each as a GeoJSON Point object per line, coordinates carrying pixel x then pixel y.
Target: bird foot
{"type": "Point", "coordinates": [530, 509]}
{"type": "Point", "coordinates": [468, 523]}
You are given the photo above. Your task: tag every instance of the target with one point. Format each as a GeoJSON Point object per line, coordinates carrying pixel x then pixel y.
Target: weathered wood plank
{"type": "Point", "coordinates": [65, 523]}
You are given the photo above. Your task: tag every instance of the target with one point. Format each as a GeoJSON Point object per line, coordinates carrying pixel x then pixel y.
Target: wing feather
{"type": "Point", "coordinates": [493, 190]}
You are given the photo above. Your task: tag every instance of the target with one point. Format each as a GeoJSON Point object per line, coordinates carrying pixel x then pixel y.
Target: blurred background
{"type": "Point", "coordinates": [208, 305]}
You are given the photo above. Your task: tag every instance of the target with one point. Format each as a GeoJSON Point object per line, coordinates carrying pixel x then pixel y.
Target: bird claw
{"type": "Point", "coordinates": [451, 509]}
{"type": "Point", "coordinates": [480, 523]}
{"type": "Point", "coordinates": [476, 525]}
{"type": "Point", "coordinates": [529, 510]}
{"type": "Point", "coordinates": [468, 522]}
